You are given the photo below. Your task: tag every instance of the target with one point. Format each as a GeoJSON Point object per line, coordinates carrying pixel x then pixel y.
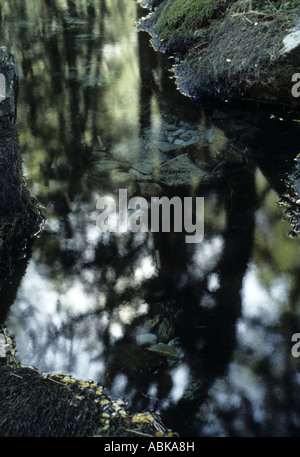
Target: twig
{"type": "Point", "coordinates": [57, 382]}
{"type": "Point", "coordinates": [273, 6]}
{"type": "Point", "coordinates": [140, 171]}
{"type": "Point", "coordinates": [174, 158]}
{"type": "Point", "coordinates": [137, 432]}
{"type": "Point", "coordinates": [259, 13]}
{"type": "Point", "coordinates": [16, 375]}
{"type": "Point", "coordinates": [248, 20]}
{"type": "Point", "coordinates": [219, 165]}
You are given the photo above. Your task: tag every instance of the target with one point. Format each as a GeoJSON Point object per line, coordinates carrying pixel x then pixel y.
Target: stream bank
{"type": "Point", "coordinates": [228, 51]}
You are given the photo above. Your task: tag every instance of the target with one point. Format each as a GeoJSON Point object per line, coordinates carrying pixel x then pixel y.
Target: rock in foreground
{"type": "Point", "coordinates": [33, 404]}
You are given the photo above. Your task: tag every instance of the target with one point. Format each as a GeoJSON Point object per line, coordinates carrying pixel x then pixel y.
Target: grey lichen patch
{"type": "Point", "coordinates": [292, 40]}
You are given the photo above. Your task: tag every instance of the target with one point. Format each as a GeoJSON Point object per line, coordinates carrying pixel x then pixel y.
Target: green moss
{"type": "Point", "coordinates": [183, 17]}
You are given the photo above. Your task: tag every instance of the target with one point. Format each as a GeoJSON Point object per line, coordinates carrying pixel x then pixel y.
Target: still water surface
{"type": "Point", "coordinates": [98, 112]}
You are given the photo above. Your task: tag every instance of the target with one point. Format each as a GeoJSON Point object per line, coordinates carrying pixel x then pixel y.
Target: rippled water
{"type": "Point", "coordinates": [98, 112]}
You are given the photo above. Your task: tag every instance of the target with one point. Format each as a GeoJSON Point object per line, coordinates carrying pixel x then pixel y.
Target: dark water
{"type": "Point", "coordinates": [98, 112]}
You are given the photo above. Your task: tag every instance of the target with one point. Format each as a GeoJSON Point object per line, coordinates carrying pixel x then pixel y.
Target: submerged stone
{"type": "Point", "coordinates": [146, 339]}
{"type": "Point", "coordinates": [164, 350]}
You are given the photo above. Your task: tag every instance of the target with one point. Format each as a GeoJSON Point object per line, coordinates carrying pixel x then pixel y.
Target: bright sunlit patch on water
{"type": "Point", "coordinates": [260, 345]}
{"type": "Point", "coordinates": [247, 385]}
{"type": "Point", "coordinates": [116, 331]}
{"type": "Point", "coordinates": [77, 300]}
{"type": "Point", "coordinates": [206, 256]}
{"type": "Point", "coordinates": [261, 301]}
{"type": "Point", "coordinates": [119, 385]}
{"type": "Point", "coordinates": [35, 291]}
{"type": "Point", "coordinates": [213, 282]}
{"type": "Point", "coordinates": [129, 311]}
{"type": "Point", "coordinates": [180, 378]}
{"type": "Point", "coordinates": [146, 270]}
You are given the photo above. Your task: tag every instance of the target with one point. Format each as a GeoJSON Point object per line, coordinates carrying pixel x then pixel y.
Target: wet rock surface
{"type": "Point", "coordinates": [164, 350]}
{"type": "Point", "coordinates": [290, 200]}
{"type": "Point", "coordinates": [20, 215]}
{"type": "Point", "coordinates": [146, 339]}
{"type": "Point", "coordinates": [9, 85]}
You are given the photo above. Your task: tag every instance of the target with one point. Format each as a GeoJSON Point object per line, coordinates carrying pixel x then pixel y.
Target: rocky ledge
{"type": "Point", "coordinates": [35, 404]}
{"type": "Point", "coordinates": [230, 50]}
{"type": "Point", "coordinates": [20, 215]}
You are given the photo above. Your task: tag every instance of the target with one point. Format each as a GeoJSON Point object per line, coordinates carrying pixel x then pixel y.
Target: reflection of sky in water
{"type": "Point", "coordinates": [44, 308]}
{"type": "Point", "coordinates": [206, 257]}
{"type": "Point", "coordinates": [61, 326]}
{"type": "Point", "coordinates": [259, 301]}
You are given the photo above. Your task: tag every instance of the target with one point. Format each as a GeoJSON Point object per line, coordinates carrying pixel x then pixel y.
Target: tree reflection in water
{"type": "Point", "coordinates": [96, 107]}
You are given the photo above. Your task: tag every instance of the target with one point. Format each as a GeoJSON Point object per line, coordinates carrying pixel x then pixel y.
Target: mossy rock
{"type": "Point", "coordinates": [230, 50]}
{"type": "Point", "coordinates": [183, 17]}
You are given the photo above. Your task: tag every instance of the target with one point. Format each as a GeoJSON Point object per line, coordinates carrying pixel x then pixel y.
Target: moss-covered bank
{"type": "Point", "coordinates": [228, 50]}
